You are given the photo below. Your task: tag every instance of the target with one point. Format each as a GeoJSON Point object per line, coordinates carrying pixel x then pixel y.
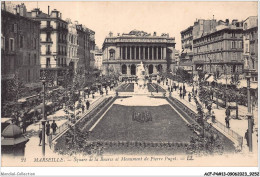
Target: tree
{"type": "Point", "coordinates": [235, 81]}
{"type": "Point", "coordinates": [15, 87]}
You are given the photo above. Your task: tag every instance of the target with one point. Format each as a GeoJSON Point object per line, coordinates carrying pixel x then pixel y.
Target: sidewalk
{"type": "Point", "coordinates": [237, 125]}
{"type": "Point", "coordinates": [32, 147]}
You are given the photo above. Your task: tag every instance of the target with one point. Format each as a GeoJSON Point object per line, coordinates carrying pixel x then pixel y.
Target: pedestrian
{"type": "Point", "coordinates": [83, 108]}
{"type": "Point", "coordinates": [87, 104]}
{"type": "Point", "coordinates": [184, 93]}
{"type": "Point", "coordinates": [227, 122]}
{"type": "Point", "coordinates": [180, 88]}
{"type": "Point", "coordinates": [24, 125]}
{"type": "Point", "coordinates": [40, 137]}
{"type": "Point", "coordinates": [171, 88]}
{"type": "Point", "coordinates": [106, 91]}
{"type": "Point", "coordinates": [213, 117]}
{"type": "Point", "coordinates": [93, 95]}
{"type": "Point", "coordinates": [54, 127]}
{"type": "Point", "coordinates": [209, 107]}
{"type": "Point", "coordinates": [246, 137]}
{"type": "Point", "coordinates": [88, 93]}
{"type": "Point", "coordinates": [189, 95]}
{"type": "Point", "coordinates": [196, 91]}
{"type": "Point", "coordinates": [192, 90]}
{"type": "Point", "coordinates": [227, 112]}
{"type": "Point", "coordinates": [48, 128]}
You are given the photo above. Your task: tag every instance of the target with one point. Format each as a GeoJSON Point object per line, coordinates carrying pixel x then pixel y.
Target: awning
{"type": "Point", "coordinates": [210, 79]}
{"type": "Point", "coordinates": [224, 81]}
{"type": "Point", "coordinates": [243, 84]}
{"type": "Point", "coordinates": [253, 85]}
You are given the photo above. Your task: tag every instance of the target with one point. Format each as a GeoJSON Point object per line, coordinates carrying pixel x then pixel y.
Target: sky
{"type": "Point", "coordinates": [161, 17]}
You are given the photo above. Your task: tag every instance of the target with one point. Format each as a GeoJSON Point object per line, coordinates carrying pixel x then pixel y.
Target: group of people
{"type": "Point", "coordinates": [48, 128]}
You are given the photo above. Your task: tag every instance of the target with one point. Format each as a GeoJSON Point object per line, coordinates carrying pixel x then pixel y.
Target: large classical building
{"type": "Point", "coordinates": [122, 53]}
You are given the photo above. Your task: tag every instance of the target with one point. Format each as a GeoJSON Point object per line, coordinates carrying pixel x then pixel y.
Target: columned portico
{"type": "Point", "coordinates": [129, 50]}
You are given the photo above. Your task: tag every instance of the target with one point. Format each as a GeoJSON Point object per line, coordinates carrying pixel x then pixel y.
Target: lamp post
{"type": "Point", "coordinates": [226, 101]}
{"type": "Point", "coordinates": [249, 115]}
{"type": "Point", "coordinates": [43, 78]}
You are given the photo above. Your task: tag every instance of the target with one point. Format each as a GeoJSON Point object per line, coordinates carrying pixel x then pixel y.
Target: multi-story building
{"type": "Point", "coordinates": [92, 45]}
{"type": "Point", "coordinates": [200, 28]}
{"type": "Point", "coordinates": [53, 42]}
{"type": "Point", "coordinates": [221, 50]}
{"type": "Point", "coordinates": [98, 58]}
{"type": "Point", "coordinates": [122, 53]}
{"type": "Point", "coordinates": [72, 45]}
{"type": "Point", "coordinates": [20, 49]}
{"type": "Point", "coordinates": [187, 49]}
{"type": "Point", "coordinates": [250, 40]}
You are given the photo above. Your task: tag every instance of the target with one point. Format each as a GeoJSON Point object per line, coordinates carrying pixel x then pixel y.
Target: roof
{"type": "Point", "coordinates": [12, 131]}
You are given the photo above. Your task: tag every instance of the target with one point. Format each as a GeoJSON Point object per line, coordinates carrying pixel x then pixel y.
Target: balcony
{"type": "Point", "coordinates": [46, 28]}
{"type": "Point", "coordinates": [53, 66]}
{"type": "Point", "coordinates": [48, 40]}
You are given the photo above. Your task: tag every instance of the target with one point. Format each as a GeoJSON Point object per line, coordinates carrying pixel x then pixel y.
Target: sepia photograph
{"type": "Point", "coordinates": [129, 84]}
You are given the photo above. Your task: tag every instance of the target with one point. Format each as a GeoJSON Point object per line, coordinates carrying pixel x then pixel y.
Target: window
{"type": "Point", "coordinates": [247, 49]}
{"type": "Point", "coordinates": [29, 76]}
{"type": "Point", "coordinates": [233, 34]}
{"type": "Point", "coordinates": [29, 59]}
{"type": "Point", "coordinates": [48, 23]}
{"type": "Point", "coordinates": [35, 43]}
{"type": "Point", "coordinates": [35, 59]}
{"type": "Point", "coordinates": [21, 41]}
{"type": "Point", "coordinates": [3, 43]}
{"type": "Point", "coordinates": [233, 44]}
{"type": "Point", "coordinates": [15, 28]}
{"type": "Point", "coordinates": [11, 44]}
{"type": "Point", "coordinates": [112, 54]}
{"type": "Point", "coordinates": [48, 62]}
{"type": "Point", "coordinates": [240, 45]}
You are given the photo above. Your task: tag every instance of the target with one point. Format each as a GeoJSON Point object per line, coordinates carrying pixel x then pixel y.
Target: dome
{"type": "Point", "coordinates": [12, 131]}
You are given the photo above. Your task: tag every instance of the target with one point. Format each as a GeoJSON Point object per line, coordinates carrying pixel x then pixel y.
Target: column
{"type": "Point", "coordinates": [135, 52]}
{"type": "Point", "coordinates": [164, 53]}
{"type": "Point", "coordinates": [139, 52]}
{"type": "Point", "coordinates": [120, 56]}
{"type": "Point", "coordinates": [126, 52]}
{"type": "Point", "coordinates": [152, 53]}
{"type": "Point", "coordinates": [148, 52]}
{"type": "Point", "coordinates": [130, 52]}
{"type": "Point", "coordinates": [161, 53]}
{"type": "Point", "coordinates": [143, 52]}
{"type": "Point", "coordinates": [157, 54]}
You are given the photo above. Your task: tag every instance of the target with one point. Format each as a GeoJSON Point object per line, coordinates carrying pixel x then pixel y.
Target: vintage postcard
{"type": "Point", "coordinates": [140, 84]}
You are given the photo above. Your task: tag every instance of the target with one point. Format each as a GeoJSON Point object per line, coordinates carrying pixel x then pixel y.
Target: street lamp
{"type": "Point", "coordinates": [249, 115]}
{"type": "Point", "coordinates": [226, 101]}
{"type": "Point", "coordinates": [43, 78]}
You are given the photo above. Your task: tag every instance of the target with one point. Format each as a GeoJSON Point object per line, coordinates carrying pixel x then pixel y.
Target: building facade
{"type": "Point", "coordinates": [53, 43]}
{"type": "Point", "coordinates": [122, 53]}
{"type": "Point", "coordinates": [250, 40]}
{"type": "Point", "coordinates": [200, 28]}
{"type": "Point", "coordinates": [20, 49]}
{"type": "Point", "coordinates": [72, 45]}
{"type": "Point", "coordinates": [98, 58]}
{"type": "Point", "coordinates": [187, 49]}
{"type": "Point", "coordinates": [220, 51]}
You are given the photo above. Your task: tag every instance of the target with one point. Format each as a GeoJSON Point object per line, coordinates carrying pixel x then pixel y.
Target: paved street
{"type": "Point", "coordinates": [238, 126]}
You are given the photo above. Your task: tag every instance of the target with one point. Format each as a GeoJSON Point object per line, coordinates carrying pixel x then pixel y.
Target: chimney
{"type": "Point", "coordinates": [227, 21]}
{"type": "Point", "coordinates": [118, 34]}
{"type": "Point", "coordinates": [48, 10]}
{"type": "Point", "coordinates": [154, 33]}
{"type": "Point", "coordinates": [60, 15]}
